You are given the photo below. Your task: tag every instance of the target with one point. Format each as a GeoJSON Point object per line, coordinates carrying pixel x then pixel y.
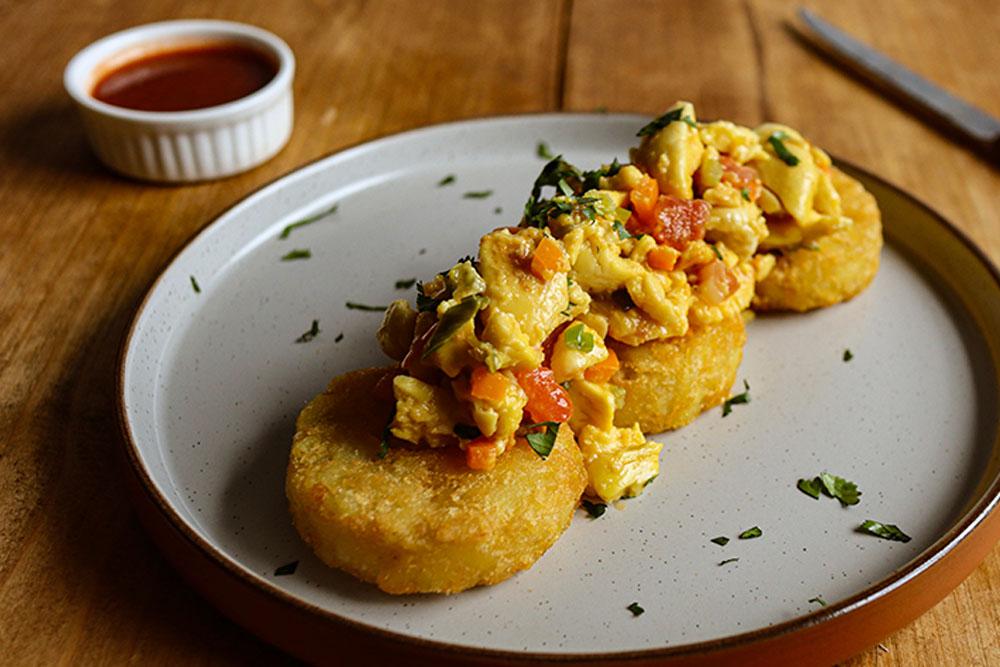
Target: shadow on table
{"type": "Point", "coordinates": [49, 138]}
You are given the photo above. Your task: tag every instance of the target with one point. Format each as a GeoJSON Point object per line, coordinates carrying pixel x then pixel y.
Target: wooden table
{"type": "Point", "coordinates": [79, 581]}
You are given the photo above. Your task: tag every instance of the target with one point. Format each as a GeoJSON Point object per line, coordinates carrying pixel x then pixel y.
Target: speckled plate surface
{"type": "Point", "coordinates": [212, 381]}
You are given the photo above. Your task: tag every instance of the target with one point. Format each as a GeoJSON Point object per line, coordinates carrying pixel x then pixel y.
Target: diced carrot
{"type": "Point", "coordinates": [547, 400]}
{"type": "Point", "coordinates": [488, 386]}
{"type": "Point", "coordinates": [644, 198]}
{"type": "Point", "coordinates": [716, 282]}
{"type": "Point", "coordinates": [604, 370]}
{"type": "Point", "coordinates": [662, 258]}
{"type": "Point", "coordinates": [547, 259]}
{"type": "Point", "coordinates": [481, 454]}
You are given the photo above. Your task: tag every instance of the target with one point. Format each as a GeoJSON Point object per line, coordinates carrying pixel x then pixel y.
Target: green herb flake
{"type": "Point", "coordinates": [886, 531]}
{"type": "Point", "coordinates": [577, 338]}
{"type": "Point", "coordinates": [447, 180]}
{"type": "Point", "coordinates": [621, 231]}
{"type": "Point", "coordinates": [339, 337]}
{"type": "Point", "coordinates": [810, 487]}
{"type": "Point", "coordinates": [298, 253]}
{"type": "Point", "coordinates": [657, 124]}
{"type": "Point", "coordinates": [543, 443]}
{"type": "Point", "coordinates": [595, 510]}
{"type": "Point", "coordinates": [689, 122]}
{"type": "Point", "coordinates": [818, 600]}
{"type": "Point", "coordinates": [477, 194]}
{"type": "Point", "coordinates": [542, 151]}
{"type": "Point", "coordinates": [467, 431]}
{"type": "Point", "coordinates": [452, 320]}
{"type": "Point", "coordinates": [727, 561]}
{"type": "Point", "coordinates": [721, 540]}
{"type": "Point", "coordinates": [636, 609]}
{"type": "Point", "coordinates": [738, 399]}
{"type": "Point", "coordinates": [351, 305]}
{"type": "Point", "coordinates": [309, 335]}
{"type": "Point", "coordinates": [564, 188]}
{"type": "Point", "coordinates": [841, 489]}
{"type": "Point", "coordinates": [195, 286]}
{"type": "Point", "coordinates": [287, 569]}
{"type": "Point", "coordinates": [751, 533]}
{"type": "Point", "coordinates": [383, 445]}
{"type": "Point", "coordinates": [307, 221]}
{"type": "Point", "coordinates": [848, 355]}
{"type": "Point", "coordinates": [745, 193]}
{"type": "Point", "coordinates": [715, 249]}
{"type": "Point", "coordinates": [778, 144]}
{"type": "Point", "coordinates": [405, 283]}
{"type": "Point", "coordinates": [498, 210]}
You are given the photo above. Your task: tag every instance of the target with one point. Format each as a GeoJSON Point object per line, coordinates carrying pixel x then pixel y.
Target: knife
{"type": "Point", "coordinates": [975, 126]}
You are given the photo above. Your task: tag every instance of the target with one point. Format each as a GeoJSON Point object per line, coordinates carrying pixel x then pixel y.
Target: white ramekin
{"type": "Point", "coordinates": [179, 146]}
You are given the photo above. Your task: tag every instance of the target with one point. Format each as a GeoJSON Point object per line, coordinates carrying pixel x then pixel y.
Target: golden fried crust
{"type": "Point", "coordinates": [419, 521]}
{"type": "Point", "coordinates": [670, 382]}
{"type": "Point", "coordinates": [840, 267]}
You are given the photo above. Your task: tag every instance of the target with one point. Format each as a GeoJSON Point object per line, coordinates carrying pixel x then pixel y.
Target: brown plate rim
{"type": "Point", "coordinates": [962, 530]}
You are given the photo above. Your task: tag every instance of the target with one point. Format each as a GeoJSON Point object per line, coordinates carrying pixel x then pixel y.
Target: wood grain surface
{"type": "Point", "coordinates": [79, 581]}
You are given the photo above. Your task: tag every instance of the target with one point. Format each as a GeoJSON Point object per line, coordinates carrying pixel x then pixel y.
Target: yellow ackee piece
{"type": "Point", "coordinates": [424, 413]}
{"type": "Point", "coordinates": [593, 403]}
{"type": "Point", "coordinates": [620, 462]}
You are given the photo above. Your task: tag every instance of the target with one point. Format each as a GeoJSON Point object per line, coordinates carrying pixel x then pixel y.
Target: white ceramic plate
{"type": "Point", "coordinates": [212, 382]}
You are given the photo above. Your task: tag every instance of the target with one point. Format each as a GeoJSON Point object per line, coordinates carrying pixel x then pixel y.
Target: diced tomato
{"type": "Point", "coordinates": [548, 258]}
{"type": "Point", "coordinates": [676, 222]}
{"type": "Point", "coordinates": [481, 454]}
{"type": "Point", "coordinates": [547, 400]}
{"type": "Point", "coordinates": [716, 282]}
{"type": "Point", "coordinates": [662, 258]}
{"type": "Point", "coordinates": [488, 386]}
{"type": "Point", "coordinates": [740, 177]}
{"type": "Point", "coordinates": [605, 370]}
{"type": "Point", "coordinates": [644, 197]}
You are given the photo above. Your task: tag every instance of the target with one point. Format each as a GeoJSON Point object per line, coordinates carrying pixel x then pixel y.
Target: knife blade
{"type": "Point", "coordinates": [974, 125]}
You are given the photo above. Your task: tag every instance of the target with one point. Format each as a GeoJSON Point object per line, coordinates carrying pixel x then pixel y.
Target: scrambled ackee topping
{"type": "Point", "coordinates": [518, 342]}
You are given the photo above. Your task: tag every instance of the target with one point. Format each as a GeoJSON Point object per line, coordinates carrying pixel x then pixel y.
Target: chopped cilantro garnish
{"type": "Point", "coordinates": [498, 210]}
{"type": "Point", "coordinates": [777, 143]}
{"type": "Point", "coordinates": [477, 194]}
{"type": "Point", "coordinates": [195, 286]}
{"type": "Point", "coordinates": [307, 221]}
{"type": "Point", "coordinates": [309, 335]}
{"type": "Point", "coordinates": [361, 306]}
{"type": "Point", "coordinates": [542, 151]}
{"type": "Point", "coordinates": [383, 445]}
{"type": "Point", "coordinates": [721, 540]}
{"type": "Point", "coordinates": [848, 355]}
{"type": "Point", "coordinates": [298, 253]}
{"type": "Point", "coordinates": [745, 192]}
{"type": "Point", "coordinates": [286, 569]}
{"type": "Point", "coordinates": [622, 232]}
{"type": "Point", "coordinates": [564, 188]}
{"type": "Point", "coordinates": [886, 531]}
{"type": "Point", "coordinates": [635, 609]}
{"type": "Point", "coordinates": [750, 533]}
{"type": "Point", "coordinates": [810, 487]}
{"type": "Point", "coordinates": [447, 180]}
{"type": "Point", "coordinates": [657, 124]}
{"type": "Point", "coordinates": [592, 179]}
{"type": "Point", "coordinates": [595, 510]}
{"type": "Point", "coordinates": [452, 320]}
{"type": "Point", "coordinates": [738, 399]}
{"type": "Point", "coordinates": [728, 560]}
{"type": "Point", "coordinates": [339, 337]}
{"type": "Point", "coordinates": [838, 487]}
{"type": "Point", "coordinates": [715, 249]}
{"type": "Point", "coordinates": [818, 600]}
{"type": "Point", "coordinates": [406, 283]}
{"type": "Point", "coordinates": [578, 338]}
{"type": "Point", "coordinates": [543, 443]}
{"type": "Point", "coordinates": [467, 431]}
{"type": "Point", "coordinates": [689, 122]}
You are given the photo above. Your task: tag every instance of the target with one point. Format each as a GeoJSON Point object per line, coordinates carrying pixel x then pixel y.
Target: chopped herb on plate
{"type": "Point", "coordinates": [738, 399]}
{"type": "Point", "coordinates": [635, 609]}
{"type": "Point", "coordinates": [195, 286]}
{"type": "Point", "coordinates": [477, 194]}
{"type": "Point", "coordinates": [595, 510]}
{"type": "Point", "coordinates": [751, 533]}
{"type": "Point", "coordinates": [543, 443]}
{"type": "Point", "coordinates": [721, 540]}
{"type": "Point", "coordinates": [286, 569]}
{"type": "Point", "coordinates": [810, 487]}
{"type": "Point", "coordinates": [361, 306]}
{"type": "Point", "coordinates": [777, 141]}
{"type": "Point", "coordinates": [542, 151]}
{"type": "Point", "coordinates": [578, 338]}
{"type": "Point", "coordinates": [727, 561]}
{"type": "Point", "coordinates": [848, 355]}
{"type": "Point", "coordinates": [841, 489]}
{"type": "Point", "coordinates": [886, 531]}
{"type": "Point", "coordinates": [307, 221]}
{"type": "Point", "coordinates": [447, 180]}
{"type": "Point", "coordinates": [309, 335]}
{"type": "Point", "coordinates": [339, 337]}
{"type": "Point", "coordinates": [498, 210]}
{"type": "Point", "coordinates": [818, 600]}
{"type": "Point", "coordinates": [406, 283]}
{"type": "Point", "coordinates": [298, 253]}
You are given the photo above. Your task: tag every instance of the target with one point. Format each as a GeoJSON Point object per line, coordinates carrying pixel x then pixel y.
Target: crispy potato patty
{"type": "Point", "coordinates": [840, 265]}
{"type": "Point", "coordinates": [419, 520]}
{"type": "Point", "coordinates": [670, 382]}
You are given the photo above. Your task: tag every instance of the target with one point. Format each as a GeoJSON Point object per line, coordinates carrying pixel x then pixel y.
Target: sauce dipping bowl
{"type": "Point", "coordinates": [183, 146]}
